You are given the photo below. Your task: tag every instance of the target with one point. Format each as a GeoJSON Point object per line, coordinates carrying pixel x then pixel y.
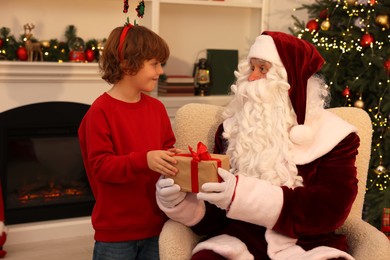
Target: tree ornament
{"type": "Point", "coordinates": [22, 54]}
{"type": "Point", "coordinates": [125, 6]}
{"type": "Point", "coordinates": [386, 65]}
{"type": "Point", "coordinates": [351, 2]}
{"type": "Point", "coordinates": [359, 103]}
{"type": "Point", "coordinates": [383, 21]}
{"type": "Point", "coordinates": [312, 25]}
{"type": "Point", "coordinates": [140, 9]}
{"type": "Point", "coordinates": [325, 25]}
{"type": "Point", "coordinates": [324, 14]}
{"type": "Point", "coordinates": [366, 40]}
{"type": "Point", "coordinates": [380, 169]}
{"type": "Point", "coordinates": [89, 55]}
{"type": "Point", "coordinates": [346, 92]}
{"type": "Point", "coordinates": [1, 43]}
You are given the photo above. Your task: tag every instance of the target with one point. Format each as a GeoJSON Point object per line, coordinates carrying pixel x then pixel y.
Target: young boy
{"type": "Point", "coordinates": [127, 144]}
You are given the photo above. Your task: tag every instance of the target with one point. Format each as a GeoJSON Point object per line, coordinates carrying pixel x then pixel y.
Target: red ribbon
{"type": "Point", "coordinates": [201, 154]}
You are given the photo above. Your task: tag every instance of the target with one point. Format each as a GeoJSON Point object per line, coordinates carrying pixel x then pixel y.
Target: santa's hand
{"type": "Point", "coordinates": [168, 193]}
{"type": "Point", "coordinates": [219, 194]}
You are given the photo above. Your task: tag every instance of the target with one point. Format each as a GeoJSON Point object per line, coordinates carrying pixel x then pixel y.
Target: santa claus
{"type": "Point", "coordinates": [293, 177]}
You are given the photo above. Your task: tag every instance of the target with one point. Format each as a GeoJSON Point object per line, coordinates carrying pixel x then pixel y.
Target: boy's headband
{"type": "Point", "coordinates": [125, 29]}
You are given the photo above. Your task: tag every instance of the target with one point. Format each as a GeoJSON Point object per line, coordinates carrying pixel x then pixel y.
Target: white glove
{"type": "Point", "coordinates": [219, 194]}
{"type": "Point", "coordinates": [168, 193]}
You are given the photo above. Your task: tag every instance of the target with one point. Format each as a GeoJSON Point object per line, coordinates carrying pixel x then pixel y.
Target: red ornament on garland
{"type": "Point", "coordinates": [386, 65]}
{"type": "Point", "coordinates": [346, 92]}
{"type": "Point", "coordinates": [312, 25]}
{"type": "Point", "coordinates": [89, 55]}
{"type": "Point", "coordinates": [21, 52]}
{"type": "Point", "coordinates": [1, 43]}
{"type": "Point", "coordinates": [324, 14]}
{"type": "Point", "coordinates": [366, 40]}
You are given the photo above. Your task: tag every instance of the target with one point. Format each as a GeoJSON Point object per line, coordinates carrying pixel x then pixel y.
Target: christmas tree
{"type": "Point", "coordinates": [353, 37]}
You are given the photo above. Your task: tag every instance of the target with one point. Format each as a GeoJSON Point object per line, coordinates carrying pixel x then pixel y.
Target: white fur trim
{"type": "Point", "coordinates": [281, 247]}
{"type": "Point", "coordinates": [227, 246]}
{"type": "Point", "coordinates": [322, 253]}
{"type": "Point", "coordinates": [264, 48]}
{"type": "Point", "coordinates": [256, 201]}
{"type": "Point", "coordinates": [301, 135]}
{"type": "Point", "coordinates": [328, 130]}
{"type": "Point", "coordinates": [188, 212]}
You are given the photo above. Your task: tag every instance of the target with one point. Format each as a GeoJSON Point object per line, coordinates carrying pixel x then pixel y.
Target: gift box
{"type": "Point", "coordinates": [197, 168]}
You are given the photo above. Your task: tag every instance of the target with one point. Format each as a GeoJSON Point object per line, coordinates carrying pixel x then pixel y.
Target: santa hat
{"type": "Point", "coordinates": [300, 59]}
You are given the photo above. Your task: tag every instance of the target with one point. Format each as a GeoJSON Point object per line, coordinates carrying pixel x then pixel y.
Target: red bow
{"type": "Point", "coordinates": [201, 153]}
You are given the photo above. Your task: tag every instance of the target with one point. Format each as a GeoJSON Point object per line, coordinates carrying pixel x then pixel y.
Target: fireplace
{"type": "Point", "coordinates": [41, 167]}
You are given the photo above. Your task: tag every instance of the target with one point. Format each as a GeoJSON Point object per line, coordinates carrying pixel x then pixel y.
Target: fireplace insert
{"type": "Point", "coordinates": [41, 168]}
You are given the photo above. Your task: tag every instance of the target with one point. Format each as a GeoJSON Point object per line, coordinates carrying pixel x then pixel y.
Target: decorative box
{"type": "Point", "coordinates": [197, 168]}
{"type": "Point", "coordinates": [386, 222]}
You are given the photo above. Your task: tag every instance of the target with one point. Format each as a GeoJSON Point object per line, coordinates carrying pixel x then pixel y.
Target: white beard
{"type": "Point", "coordinates": [257, 124]}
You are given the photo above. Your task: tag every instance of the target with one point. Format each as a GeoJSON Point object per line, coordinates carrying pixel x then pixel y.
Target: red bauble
{"type": "Point", "coordinates": [1, 43]}
{"type": "Point", "coordinates": [346, 92]}
{"type": "Point", "coordinates": [312, 25]}
{"type": "Point", "coordinates": [366, 40]}
{"type": "Point", "coordinates": [386, 65]}
{"type": "Point", "coordinates": [21, 52]}
{"type": "Point", "coordinates": [89, 55]}
{"type": "Point", "coordinates": [324, 14]}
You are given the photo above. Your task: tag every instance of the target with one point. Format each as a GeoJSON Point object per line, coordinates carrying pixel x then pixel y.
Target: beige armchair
{"type": "Point", "coordinates": [198, 122]}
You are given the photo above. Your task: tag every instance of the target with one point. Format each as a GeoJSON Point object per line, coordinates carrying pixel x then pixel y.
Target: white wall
{"type": "Point", "coordinates": [96, 18]}
{"type": "Point", "coordinates": [280, 12]}
{"type": "Point", "coordinates": [93, 19]}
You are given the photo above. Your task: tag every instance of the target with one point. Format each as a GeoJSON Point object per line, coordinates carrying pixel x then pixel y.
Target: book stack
{"type": "Point", "coordinates": [176, 85]}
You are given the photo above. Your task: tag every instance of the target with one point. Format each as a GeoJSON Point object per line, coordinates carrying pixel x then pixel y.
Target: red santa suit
{"type": "Point", "coordinates": [268, 221]}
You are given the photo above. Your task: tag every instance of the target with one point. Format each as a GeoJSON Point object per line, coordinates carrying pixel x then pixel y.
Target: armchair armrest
{"type": "Point", "coordinates": [364, 240]}
{"type": "Point", "coordinates": [176, 241]}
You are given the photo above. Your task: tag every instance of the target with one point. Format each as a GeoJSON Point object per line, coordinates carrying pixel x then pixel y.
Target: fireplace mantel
{"type": "Point", "coordinates": [23, 83]}
{"type": "Point", "coordinates": [48, 72]}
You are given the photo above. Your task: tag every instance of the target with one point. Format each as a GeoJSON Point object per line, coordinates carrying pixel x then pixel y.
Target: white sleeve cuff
{"type": "Point", "coordinates": [188, 212]}
{"type": "Point", "coordinates": [256, 201]}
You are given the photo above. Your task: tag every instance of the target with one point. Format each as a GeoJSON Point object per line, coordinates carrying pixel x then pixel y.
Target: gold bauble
{"type": "Point", "coordinates": [382, 20]}
{"type": "Point", "coordinates": [359, 103]}
{"type": "Point", "coordinates": [325, 25]}
{"type": "Point", "coordinates": [351, 2]}
{"type": "Point", "coordinates": [380, 169]}
{"type": "Point", "coordinates": [45, 44]}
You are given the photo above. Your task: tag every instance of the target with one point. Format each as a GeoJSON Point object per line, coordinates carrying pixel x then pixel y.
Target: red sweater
{"type": "Point", "coordinates": [115, 137]}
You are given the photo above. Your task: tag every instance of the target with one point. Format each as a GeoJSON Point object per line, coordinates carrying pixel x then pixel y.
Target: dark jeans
{"type": "Point", "coordinates": [146, 249]}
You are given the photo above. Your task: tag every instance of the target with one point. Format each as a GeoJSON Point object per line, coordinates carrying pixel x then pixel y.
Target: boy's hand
{"type": "Point", "coordinates": [162, 162]}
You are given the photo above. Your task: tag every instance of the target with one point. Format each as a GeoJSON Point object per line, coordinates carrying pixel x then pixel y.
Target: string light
{"type": "Point", "coordinates": [359, 17]}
